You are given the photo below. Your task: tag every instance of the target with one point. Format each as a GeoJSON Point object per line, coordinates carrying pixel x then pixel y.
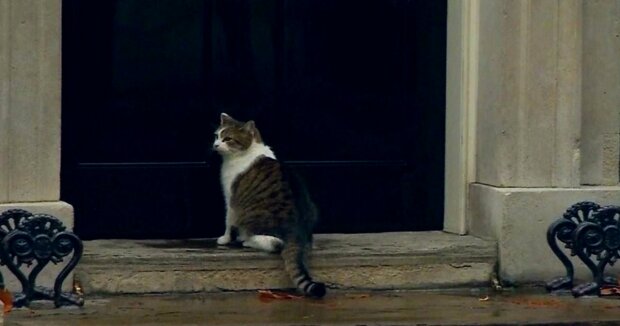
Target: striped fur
{"type": "Point", "coordinates": [267, 206]}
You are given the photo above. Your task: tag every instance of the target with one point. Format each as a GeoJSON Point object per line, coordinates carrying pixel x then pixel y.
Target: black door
{"type": "Point", "coordinates": [352, 93]}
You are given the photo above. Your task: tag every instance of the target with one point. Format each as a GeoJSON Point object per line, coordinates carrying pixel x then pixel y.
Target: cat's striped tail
{"type": "Point", "coordinates": [293, 254]}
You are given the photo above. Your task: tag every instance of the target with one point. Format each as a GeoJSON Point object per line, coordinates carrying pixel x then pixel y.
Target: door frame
{"type": "Point", "coordinates": [461, 100]}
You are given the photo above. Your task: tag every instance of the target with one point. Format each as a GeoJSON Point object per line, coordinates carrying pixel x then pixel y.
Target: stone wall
{"type": "Point", "coordinates": [548, 123]}
{"type": "Point", "coordinates": [30, 70]}
{"type": "Point", "coordinates": [600, 137]}
{"type": "Point", "coordinates": [29, 100]}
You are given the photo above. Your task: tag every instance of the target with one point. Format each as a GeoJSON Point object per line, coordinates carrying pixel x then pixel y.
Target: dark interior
{"type": "Point", "coordinates": [351, 93]}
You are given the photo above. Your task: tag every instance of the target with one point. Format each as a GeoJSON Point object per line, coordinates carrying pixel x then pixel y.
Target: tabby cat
{"type": "Point", "coordinates": [267, 207]}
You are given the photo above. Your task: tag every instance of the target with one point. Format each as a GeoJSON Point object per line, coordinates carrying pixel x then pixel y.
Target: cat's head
{"type": "Point", "coordinates": [234, 137]}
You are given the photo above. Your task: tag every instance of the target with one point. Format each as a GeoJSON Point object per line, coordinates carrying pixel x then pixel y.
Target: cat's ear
{"type": "Point", "coordinates": [225, 119]}
{"type": "Point", "coordinates": [250, 126]}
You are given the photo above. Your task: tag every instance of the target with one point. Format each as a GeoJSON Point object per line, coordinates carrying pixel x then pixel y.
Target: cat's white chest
{"type": "Point", "coordinates": [233, 166]}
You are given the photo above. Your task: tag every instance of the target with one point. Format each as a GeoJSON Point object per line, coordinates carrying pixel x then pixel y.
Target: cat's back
{"type": "Point", "coordinates": [262, 186]}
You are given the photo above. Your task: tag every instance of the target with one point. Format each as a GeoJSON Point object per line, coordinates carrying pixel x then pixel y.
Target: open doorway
{"type": "Point", "coordinates": [351, 93]}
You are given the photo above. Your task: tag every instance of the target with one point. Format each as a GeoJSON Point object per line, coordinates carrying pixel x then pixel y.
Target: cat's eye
{"type": "Point", "coordinates": [226, 139]}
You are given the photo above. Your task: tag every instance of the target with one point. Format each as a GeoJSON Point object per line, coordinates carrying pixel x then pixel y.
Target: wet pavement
{"type": "Point", "coordinates": [464, 307]}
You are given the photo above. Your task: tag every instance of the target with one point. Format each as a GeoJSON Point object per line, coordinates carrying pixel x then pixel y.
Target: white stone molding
{"type": "Point", "coordinates": [461, 98]}
{"type": "Point", "coordinates": [29, 100]}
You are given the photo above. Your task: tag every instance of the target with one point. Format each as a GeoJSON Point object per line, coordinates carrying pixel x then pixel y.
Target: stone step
{"type": "Point", "coordinates": [399, 260]}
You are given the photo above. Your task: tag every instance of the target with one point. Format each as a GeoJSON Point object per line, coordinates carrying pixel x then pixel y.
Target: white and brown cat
{"type": "Point", "coordinates": [267, 208]}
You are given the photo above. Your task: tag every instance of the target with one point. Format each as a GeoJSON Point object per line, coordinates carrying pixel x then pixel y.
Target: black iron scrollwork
{"type": "Point", "coordinates": [591, 233]}
{"type": "Point", "coordinates": [599, 239]}
{"type": "Point", "coordinates": [26, 238]}
{"type": "Point", "coordinates": [562, 230]}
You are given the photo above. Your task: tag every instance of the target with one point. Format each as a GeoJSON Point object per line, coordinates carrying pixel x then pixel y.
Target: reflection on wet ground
{"type": "Point", "coordinates": [465, 307]}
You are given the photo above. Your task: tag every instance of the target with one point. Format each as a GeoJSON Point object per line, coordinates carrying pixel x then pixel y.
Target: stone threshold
{"type": "Point", "coordinates": [378, 261]}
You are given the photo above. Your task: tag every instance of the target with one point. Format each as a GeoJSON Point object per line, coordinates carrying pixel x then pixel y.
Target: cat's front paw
{"type": "Point", "coordinates": [223, 240]}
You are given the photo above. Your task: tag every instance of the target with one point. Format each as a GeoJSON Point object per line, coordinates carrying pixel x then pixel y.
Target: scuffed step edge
{"type": "Point", "coordinates": [128, 280]}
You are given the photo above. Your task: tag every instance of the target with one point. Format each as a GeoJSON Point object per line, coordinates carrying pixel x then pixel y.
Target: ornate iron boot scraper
{"type": "Point", "coordinates": [563, 230]}
{"type": "Point", "coordinates": [588, 231]}
{"type": "Point", "coordinates": [599, 238]}
{"type": "Point", "coordinates": [26, 238]}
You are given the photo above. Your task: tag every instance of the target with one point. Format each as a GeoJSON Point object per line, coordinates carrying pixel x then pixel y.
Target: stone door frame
{"type": "Point", "coordinates": [461, 92]}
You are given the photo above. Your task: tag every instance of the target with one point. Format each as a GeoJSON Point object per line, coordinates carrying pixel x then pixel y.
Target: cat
{"type": "Point", "coordinates": [267, 206]}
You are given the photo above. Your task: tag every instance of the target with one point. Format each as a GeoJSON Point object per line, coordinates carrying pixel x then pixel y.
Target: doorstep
{"type": "Point", "coordinates": [378, 261]}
